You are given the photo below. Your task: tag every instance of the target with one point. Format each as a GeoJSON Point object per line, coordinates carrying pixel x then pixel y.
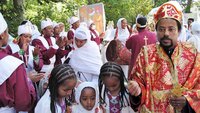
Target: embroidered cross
{"type": "Point", "coordinates": [145, 40]}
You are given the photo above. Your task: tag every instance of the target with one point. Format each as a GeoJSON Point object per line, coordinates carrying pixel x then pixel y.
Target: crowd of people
{"type": "Point", "coordinates": [123, 70]}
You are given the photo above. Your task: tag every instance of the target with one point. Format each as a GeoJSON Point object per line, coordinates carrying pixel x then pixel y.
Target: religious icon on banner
{"type": "Point", "coordinates": [94, 12]}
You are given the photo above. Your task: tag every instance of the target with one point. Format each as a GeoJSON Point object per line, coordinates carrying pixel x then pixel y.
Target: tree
{"type": "Point", "coordinates": [60, 10]}
{"type": "Point", "coordinates": [15, 11]}
{"type": "Point", "coordinates": [159, 2]}
{"type": "Point", "coordinates": [19, 8]}
{"type": "Point", "coordinates": [188, 7]}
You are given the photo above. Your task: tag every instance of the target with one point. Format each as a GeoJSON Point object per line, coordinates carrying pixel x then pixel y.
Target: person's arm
{"type": "Point", "coordinates": [137, 79]}
{"type": "Point", "coordinates": [38, 62]}
{"type": "Point", "coordinates": [9, 52]}
{"type": "Point", "coordinates": [46, 53]}
{"type": "Point", "coordinates": [59, 55]}
{"type": "Point", "coordinates": [70, 35]}
{"type": "Point", "coordinates": [129, 43]}
{"type": "Point", "coordinates": [23, 89]}
{"type": "Point", "coordinates": [193, 84]}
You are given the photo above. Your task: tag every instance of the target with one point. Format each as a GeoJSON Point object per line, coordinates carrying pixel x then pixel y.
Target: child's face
{"type": "Point", "coordinates": [65, 89]}
{"type": "Point", "coordinates": [88, 98]}
{"type": "Point", "coordinates": [112, 84]}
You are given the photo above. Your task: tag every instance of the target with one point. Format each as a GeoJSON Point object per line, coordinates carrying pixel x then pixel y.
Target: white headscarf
{"type": "Point", "coordinates": [73, 20]}
{"type": "Point", "coordinates": [86, 58]}
{"type": "Point", "coordinates": [25, 29]}
{"type": "Point", "coordinates": [35, 32]}
{"type": "Point", "coordinates": [195, 29]}
{"type": "Point", "coordinates": [79, 108]}
{"type": "Point", "coordinates": [55, 24]}
{"type": "Point", "coordinates": [3, 25]}
{"type": "Point", "coordinates": [89, 22]}
{"type": "Point", "coordinates": [84, 24]}
{"type": "Point", "coordinates": [195, 38]}
{"type": "Point", "coordinates": [46, 23]}
{"type": "Point", "coordinates": [123, 34]}
{"type": "Point", "coordinates": [110, 32]}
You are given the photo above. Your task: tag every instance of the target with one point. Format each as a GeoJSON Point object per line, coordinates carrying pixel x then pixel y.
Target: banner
{"type": "Point", "coordinates": [94, 12]}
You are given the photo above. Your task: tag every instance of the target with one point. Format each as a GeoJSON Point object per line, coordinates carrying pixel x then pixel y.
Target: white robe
{"type": "Point", "coordinates": [43, 106]}
{"type": "Point", "coordinates": [123, 34]}
{"type": "Point", "coordinates": [196, 41]}
{"type": "Point", "coordinates": [87, 60]}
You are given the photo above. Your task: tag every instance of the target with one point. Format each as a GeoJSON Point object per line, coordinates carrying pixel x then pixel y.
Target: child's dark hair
{"type": "Point", "coordinates": [106, 70]}
{"type": "Point", "coordinates": [58, 75]}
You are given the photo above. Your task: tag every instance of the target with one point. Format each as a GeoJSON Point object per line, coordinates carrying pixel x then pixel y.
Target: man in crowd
{"type": "Point", "coordinates": [166, 75]}
{"type": "Point", "coordinates": [75, 23]}
{"type": "Point", "coordinates": [137, 41]}
{"type": "Point", "coordinates": [52, 50]}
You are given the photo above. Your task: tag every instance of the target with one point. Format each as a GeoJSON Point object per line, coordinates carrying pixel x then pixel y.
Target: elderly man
{"type": "Point", "coordinates": [16, 93]}
{"type": "Point", "coordinates": [166, 75]}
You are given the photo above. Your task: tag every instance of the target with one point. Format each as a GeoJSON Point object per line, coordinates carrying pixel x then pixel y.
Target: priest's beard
{"type": "Point", "coordinates": [165, 45]}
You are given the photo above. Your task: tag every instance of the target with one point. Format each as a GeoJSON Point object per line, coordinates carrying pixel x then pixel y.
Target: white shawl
{"type": "Point", "coordinates": [79, 108]}
{"type": "Point", "coordinates": [123, 34]}
{"type": "Point", "coordinates": [43, 106]}
{"type": "Point", "coordinates": [86, 59]}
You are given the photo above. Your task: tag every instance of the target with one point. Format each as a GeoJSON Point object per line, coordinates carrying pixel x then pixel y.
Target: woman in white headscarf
{"type": "Point", "coordinates": [122, 32]}
{"type": "Point", "coordinates": [195, 38]}
{"type": "Point", "coordinates": [86, 58]}
{"type": "Point", "coordinates": [79, 107]}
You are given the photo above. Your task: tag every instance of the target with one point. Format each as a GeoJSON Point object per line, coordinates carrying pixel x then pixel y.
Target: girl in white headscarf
{"type": "Point", "coordinates": [122, 32]}
{"type": "Point", "coordinates": [195, 38]}
{"type": "Point", "coordinates": [87, 98]}
{"type": "Point", "coordinates": [86, 58]}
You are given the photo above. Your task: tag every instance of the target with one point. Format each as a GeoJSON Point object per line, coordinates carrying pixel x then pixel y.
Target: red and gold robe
{"type": "Point", "coordinates": [156, 74]}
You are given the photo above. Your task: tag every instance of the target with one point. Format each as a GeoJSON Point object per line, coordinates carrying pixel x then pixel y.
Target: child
{"type": "Point", "coordinates": [61, 84]}
{"type": "Point", "coordinates": [114, 96]}
{"type": "Point", "coordinates": [87, 98]}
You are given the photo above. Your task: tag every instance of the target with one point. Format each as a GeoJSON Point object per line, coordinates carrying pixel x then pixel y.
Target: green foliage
{"type": "Point", "coordinates": [128, 9]}
{"type": "Point", "coordinates": [35, 12]}
{"type": "Point", "coordinates": [11, 16]}
{"type": "Point", "coordinates": [61, 10]}
{"type": "Point", "coordinates": [157, 3]}
{"type": "Point", "coordinates": [57, 11]}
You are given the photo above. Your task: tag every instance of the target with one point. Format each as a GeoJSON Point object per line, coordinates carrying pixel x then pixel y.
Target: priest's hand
{"type": "Point", "coordinates": [134, 88]}
{"type": "Point", "coordinates": [178, 102]}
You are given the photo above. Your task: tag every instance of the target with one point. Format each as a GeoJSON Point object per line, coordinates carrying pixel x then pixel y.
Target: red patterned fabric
{"type": "Point", "coordinates": [155, 72]}
{"type": "Point", "coordinates": [168, 10]}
